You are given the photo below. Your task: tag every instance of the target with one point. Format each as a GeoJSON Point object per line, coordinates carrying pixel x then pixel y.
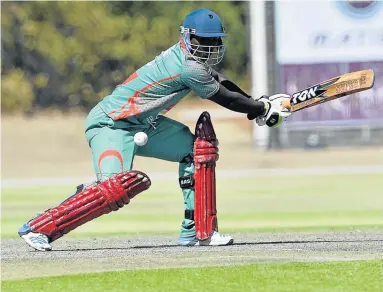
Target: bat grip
{"type": "Point", "coordinates": [286, 104]}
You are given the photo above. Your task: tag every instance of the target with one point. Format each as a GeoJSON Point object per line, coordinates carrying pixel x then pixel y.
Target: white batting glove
{"type": "Point", "coordinates": [275, 113]}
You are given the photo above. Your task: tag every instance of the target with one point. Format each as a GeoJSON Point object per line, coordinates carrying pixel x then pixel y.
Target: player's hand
{"type": "Point", "coordinates": [275, 114]}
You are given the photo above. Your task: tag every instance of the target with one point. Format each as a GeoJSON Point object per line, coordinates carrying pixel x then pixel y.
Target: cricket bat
{"type": "Point", "coordinates": [336, 87]}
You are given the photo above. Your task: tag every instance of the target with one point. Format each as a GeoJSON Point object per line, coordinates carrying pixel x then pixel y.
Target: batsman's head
{"type": "Point", "coordinates": [202, 33]}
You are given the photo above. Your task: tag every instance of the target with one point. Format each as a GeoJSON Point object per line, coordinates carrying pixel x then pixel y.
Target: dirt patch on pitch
{"type": "Point", "coordinates": [72, 256]}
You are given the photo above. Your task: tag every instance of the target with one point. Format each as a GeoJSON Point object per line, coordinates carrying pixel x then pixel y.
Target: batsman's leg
{"type": "Point", "coordinates": [205, 157]}
{"type": "Point", "coordinates": [113, 152]}
{"type": "Point", "coordinates": [173, 141]}
{"type": "Point", "coordinates": [186, 182]}
{"type": "Point", "coordinates": [88, 204]}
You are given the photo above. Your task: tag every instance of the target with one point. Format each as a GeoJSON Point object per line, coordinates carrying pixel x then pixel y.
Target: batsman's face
{"type": "Point", "coordinates": [204, 47]}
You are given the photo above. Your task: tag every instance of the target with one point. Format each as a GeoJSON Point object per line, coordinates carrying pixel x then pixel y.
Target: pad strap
{"type": "Point", "coordinates": [186, 182]}
{"type": "Point", "coordinates": [189, 214]}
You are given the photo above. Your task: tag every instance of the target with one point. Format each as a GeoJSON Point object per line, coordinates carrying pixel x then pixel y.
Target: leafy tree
{"type": "Point", "coordinates": [72, 54]}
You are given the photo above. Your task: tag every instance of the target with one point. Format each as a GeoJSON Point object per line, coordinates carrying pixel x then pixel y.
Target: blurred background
{"type": "Point", "coordinates": [60, 58]}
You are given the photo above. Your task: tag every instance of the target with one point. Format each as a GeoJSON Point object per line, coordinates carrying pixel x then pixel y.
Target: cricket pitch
{"type": "Point", "coordinates": [99, 254]}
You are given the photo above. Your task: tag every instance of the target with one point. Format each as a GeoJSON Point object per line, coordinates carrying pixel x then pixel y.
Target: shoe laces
{"type": "Point", "coordinates": [219, 234]}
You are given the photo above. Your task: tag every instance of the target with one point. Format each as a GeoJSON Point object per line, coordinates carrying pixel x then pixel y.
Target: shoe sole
{"type": "Point", "coordinates": [230, 242]}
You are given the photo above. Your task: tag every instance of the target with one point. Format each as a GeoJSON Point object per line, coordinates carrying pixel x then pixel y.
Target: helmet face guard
{"type": "Point", "coordinates": [206, 54]}
{"type": "Point", "coordinates": [206, 27]}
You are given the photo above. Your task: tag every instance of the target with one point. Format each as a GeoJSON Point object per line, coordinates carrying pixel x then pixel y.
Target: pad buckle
{"type": "Point", "coordinates": [189, 214]}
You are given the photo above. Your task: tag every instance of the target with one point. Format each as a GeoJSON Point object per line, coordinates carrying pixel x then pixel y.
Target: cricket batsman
{"type": "Point", "coordinates": [138, 105]}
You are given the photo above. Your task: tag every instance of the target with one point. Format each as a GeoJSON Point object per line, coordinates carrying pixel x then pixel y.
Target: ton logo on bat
{"type": "Point", "coordinates": [305, 95]}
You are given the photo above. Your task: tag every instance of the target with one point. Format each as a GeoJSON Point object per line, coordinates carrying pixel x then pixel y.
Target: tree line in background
{"type": "Point", "coordinates": [70, 55]}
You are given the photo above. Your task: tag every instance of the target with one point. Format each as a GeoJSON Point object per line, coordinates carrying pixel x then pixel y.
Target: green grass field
{"type": "Point", "coordinates": [281, 203]}
{"type": "Point", "coordinates": [351, 276]}
{"type": "Point", "coordinates": [259, 204]}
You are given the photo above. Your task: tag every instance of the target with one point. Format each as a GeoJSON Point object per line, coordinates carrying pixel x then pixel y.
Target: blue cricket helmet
{"type": "Point", "coordinates": [204, 23]}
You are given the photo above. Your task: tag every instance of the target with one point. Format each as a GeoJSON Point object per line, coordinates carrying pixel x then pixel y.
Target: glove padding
{"type": "Point", "coordinates": [275, 113]}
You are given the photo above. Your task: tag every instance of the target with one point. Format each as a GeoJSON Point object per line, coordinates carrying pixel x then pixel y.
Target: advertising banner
{"type": "Point", "coordinates": [319, 40]}
{"type": "Point", "coordinates": [328, 31]}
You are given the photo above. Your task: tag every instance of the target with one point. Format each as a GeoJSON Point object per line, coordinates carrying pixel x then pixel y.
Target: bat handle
{"type": "Point", "coordinates": [286, 104]}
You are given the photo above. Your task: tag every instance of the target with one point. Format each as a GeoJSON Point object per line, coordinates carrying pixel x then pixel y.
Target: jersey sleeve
{"type": "Point", "coordinates": [197, 77]}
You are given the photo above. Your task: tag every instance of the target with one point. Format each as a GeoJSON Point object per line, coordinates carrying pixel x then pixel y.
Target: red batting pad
{"type": "Point", "coordinates": [205, 157]}
{"type": "Point", "coordinates": [90, 203]}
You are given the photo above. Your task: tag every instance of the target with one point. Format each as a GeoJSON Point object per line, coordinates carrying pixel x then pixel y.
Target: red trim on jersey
{"type": "Point", "coordinates": [182, 44]}
{"type": "Point", "coordinates": [107, 153]}
{"type": "Point", "coordinates": [130, 78]}
{"type": "Point", "coordinates": [133, 110]}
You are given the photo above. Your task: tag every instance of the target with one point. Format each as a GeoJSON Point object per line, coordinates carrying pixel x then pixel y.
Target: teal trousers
{"type": "Point", "coordinates": [113, 149]}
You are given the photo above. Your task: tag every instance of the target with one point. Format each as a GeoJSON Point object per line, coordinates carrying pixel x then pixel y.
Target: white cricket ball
{"type": "Point", "coordinates": [140, 139]}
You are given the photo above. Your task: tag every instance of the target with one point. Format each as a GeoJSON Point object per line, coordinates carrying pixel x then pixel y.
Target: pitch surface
{"type": "Point", "coordinates": [97, 254]}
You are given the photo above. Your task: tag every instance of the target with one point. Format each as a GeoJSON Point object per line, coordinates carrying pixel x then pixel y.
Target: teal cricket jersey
{"type": "Point", "coordinates": [157, 86]}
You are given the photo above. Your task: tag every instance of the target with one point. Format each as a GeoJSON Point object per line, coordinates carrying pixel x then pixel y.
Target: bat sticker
{"type": "Point", "coordinates": [307, 94]}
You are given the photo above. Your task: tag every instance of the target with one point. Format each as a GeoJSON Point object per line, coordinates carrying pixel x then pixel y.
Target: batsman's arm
{"type": "Point", "coordinates": [202, 81]}
{"type": "Point", "coordinates": [238, 102]}
{"type": "Point", "coordinates": [230, 85]}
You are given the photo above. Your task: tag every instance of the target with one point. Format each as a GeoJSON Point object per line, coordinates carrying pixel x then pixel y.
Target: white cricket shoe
{"type": "Point", "coordinates": [38, 241]}
{"type": "Point", "coordinates": [216, 239]}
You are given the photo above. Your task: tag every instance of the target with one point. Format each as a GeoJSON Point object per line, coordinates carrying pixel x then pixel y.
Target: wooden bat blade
{"type": "Point", "coordinates": [336, 87]}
